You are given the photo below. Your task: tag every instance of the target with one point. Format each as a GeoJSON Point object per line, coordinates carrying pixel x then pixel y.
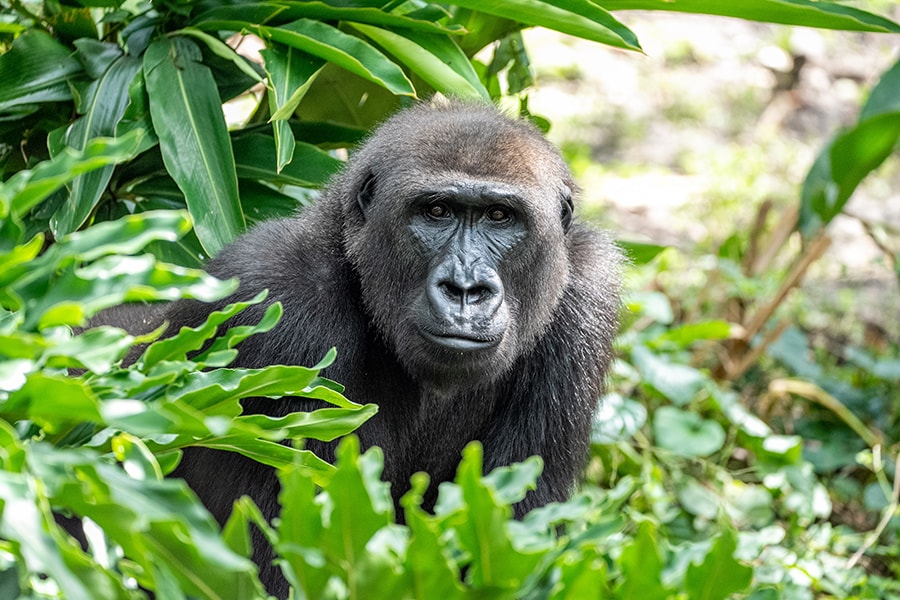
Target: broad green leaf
{"type": "Point", "coordinates": [842, 165]}
{"type": "Point", "coordinates": [239, 16]}
{"type": "Point", "coordinates": [581, 575]}
{"type": "Point", "coordinates": [617, 419]}
{"type": "Point", "coordinates": [642, 567]}
{"type": "Point", "coordinates": [685, 335]}
{"type": "Point", "coordinates": [345, 51]}
{"type": "Point", "coordinates": [97, 57]}
{"type": "Point", "coordinates": [290, 73]}
{"type": "Point", "coordinates": [103, 107]}
{"type": "Point", "coordinates": [25, 189]}
{"type": "Point", "coordinates": [41, 547]}
{"type": "Point", "coordinates": [581, 18]}
{"type": "Point", "coordinates": [97, 350]}
{"type": "Point", "coordinates": [127, 235]}
{"type": "Point", "coordinates": [223, 51]}
{"type": "Point", "coordinates": [39, 400]}
{"type": "Point", "coordinates": [256, 158]}
{"type": "Point", "coordinates": [262, 202]}
{"type": "Point", "coordinates": [852, 155]}
{"type": "Point", "coordinates": [134, 456]}
{"type": "Point", "coordinates": [719, 575]}
{"type": "Point", "coordinates": [435, 58]}
{"type": "Point", "coordinates": [77, 294]}
{"type": "Point", "coordinates": [512, 482]}
{"type": "Point", "coordinates": [640, 253]}
{"type": "Point", "coordinates": [271, 454]}
{"type": "Point", "coordinates": [428, 560]}
{"type": "Point", "coordinates": [206, 390]}
{"type": "Point", "coordinates": [235, 335]}
{"type": "Point", "coordinates": [686, 433]}
{"type": "Point", "coordinates": [346, 100]}
{"type": "Point", "coordinates": [496, 561]}
{"type": "Point", "coordinates": [678, 383]}
{"type": "Point", "coordinates": [190, 339]}
{"type": "Point", "coordinates": [325, 424]}
{"type": "Point", "coordinates": [809, 13]}
{"type": "Point", "coordinates": [156, 522]}
{"type": "Point", "coordinates": [300, 531]}
{"type": "Point", "coordinates": [188, 119]}
{"type": "Point", "coordinates": [655, 305]}
{"type": "Point", "coordinates": [36, 69]}
{"type": "Point", "coordinates": [361, 502]}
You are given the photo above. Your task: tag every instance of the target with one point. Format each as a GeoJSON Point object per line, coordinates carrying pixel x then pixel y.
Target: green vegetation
{"type": "Point", "coordinates": [731, 459]}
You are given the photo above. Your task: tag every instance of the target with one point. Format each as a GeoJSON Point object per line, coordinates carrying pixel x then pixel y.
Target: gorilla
{"type": "Point", "coordinates": [464, 299]}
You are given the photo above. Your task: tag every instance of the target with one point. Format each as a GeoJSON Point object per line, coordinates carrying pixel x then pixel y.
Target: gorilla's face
{"type": "Point", "coordinates": [460, 247]}
{"type": "Point", "coordinates": [465, 231]}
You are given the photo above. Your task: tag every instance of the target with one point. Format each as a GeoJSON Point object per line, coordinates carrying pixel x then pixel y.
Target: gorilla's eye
{"type": "Point", "coordinates": [499, 214]}
{"type": "Point", "coordinates": [437, 210]}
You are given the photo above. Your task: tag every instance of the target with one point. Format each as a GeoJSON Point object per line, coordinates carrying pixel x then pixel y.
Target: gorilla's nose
{"type": "Point", "coordinates": [466, 292]}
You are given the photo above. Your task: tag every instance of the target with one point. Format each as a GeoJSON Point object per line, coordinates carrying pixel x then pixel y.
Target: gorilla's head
{"type": "Point", "coordinates": [455, 220]}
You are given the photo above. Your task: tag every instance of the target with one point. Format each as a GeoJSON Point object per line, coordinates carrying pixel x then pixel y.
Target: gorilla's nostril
{"type": "Point", "coordinates": [465, 294]}
{"type": "Point", "coordinates": [450, 290]}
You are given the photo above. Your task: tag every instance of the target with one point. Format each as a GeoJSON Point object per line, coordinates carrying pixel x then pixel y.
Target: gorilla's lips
{"type": "Point", "coordinates": [460, 341]}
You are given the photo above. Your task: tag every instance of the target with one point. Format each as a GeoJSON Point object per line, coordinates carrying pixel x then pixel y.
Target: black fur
{"type": "Point", "coordinates": [352, 272]}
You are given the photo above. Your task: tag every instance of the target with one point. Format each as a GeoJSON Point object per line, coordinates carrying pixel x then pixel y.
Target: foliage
{"type": "Point", "coordinates": [111, 111]}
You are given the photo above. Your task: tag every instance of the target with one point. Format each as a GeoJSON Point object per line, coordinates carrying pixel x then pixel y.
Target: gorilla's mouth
{"type": "Point", "coordinates": [459, 341]}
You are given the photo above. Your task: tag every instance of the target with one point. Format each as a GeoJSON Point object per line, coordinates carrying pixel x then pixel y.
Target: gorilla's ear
{"type": "Point", "coordinates": [566, 211]}
{"type": "Point", "coordinates": [366, 193]}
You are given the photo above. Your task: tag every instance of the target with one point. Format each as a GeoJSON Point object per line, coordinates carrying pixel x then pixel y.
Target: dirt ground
{"type": "Point", "coordinates": [680, 145]}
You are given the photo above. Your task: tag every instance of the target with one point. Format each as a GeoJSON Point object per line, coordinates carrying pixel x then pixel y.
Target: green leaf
{"type": "Point", "coordinates": [685, 335]}
{"type": "Point", "coordinates": [35, 69]}
{"type": "Point", "coordinates": [809, 13]}
{"type": "Point", "coordinates": [190, 339]}
{"type": "Point", "coordinates": [719, 575]}
{"type": "Point", "coordinates": [617, 419]}
{"type": "Point", "coordinates": [325, 424]}
{"type": "Point", "coordinates": [42, 548]}
{"type": "Point", "coordinates": [236, 17]}
{"type": "Point", "coordinates": [852, 155]}
{"type": "Point", "coordinates": [97, 350]}
{"type": "Point", "coordinates": [159, 524]}
{"type": "Point", "coordinates": [641, 566]}
{"type": "Point", "coordinates": [581, 575]}
{"type": "Point", "coordinates": [496, 562]}
{"type": "Point", "coordinates": [39, 400]}
{"type": "Point", "coordinates": [103, 107]}
{"type": "Point", "coordinates": [300, 532]}
{"type": "Point", "coordinates": [188, 119]}
{"type": "Point", "coordinates": [290, 73]}
{"type": "Point", "coordinates": [25, 189]}
{"type": "Point", "coordinates": [640, 253]}
{"type": "Point", "coordinates": [428, 560]}
{"type": "Point", "coordinates": [345, 51]}
{"type": "Point", "coordinates": [686, 433]}
{"type": "Point", "coordinates": [256, 157]}
{"type": "Point", "coordinates": [581, 18]}
{"type": "Point", "coordinates": [223, 51]}
{"type": "Point", "coordinates": [678, 383]}
{"type": "Point", "coordinates": [435, 58]}
{"type": "Point", "coordinates": [361, 502]}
